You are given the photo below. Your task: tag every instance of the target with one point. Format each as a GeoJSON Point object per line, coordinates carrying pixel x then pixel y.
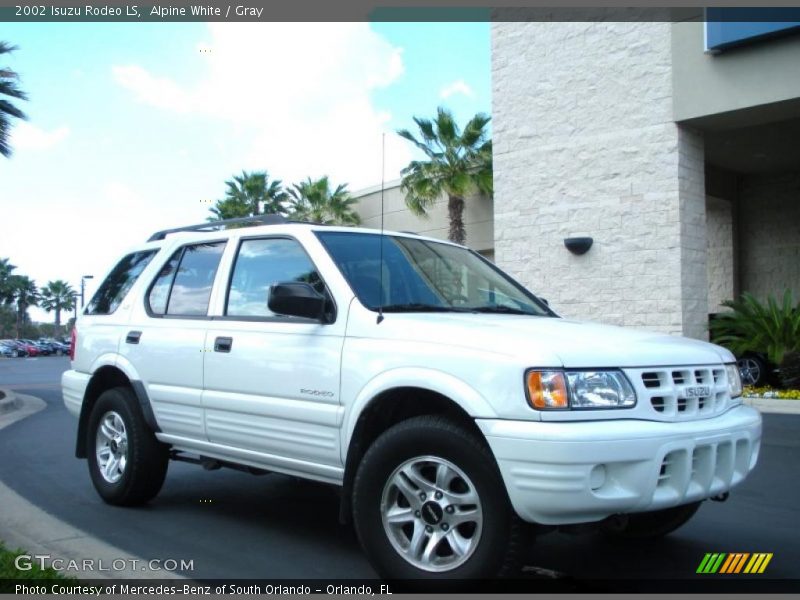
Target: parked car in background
{"type": "Point", "coordinates": [57, 347]}
{"type": "Point", "coordinates": [47, 345]}
{"type": "Point", "coordinates": [18, 347]}
{"type": "Point", "coordinates": [7, 351]}
{"type": "Point", "coordinates": [29, 347]}
{"type": "Point", "coordinates": [756, 369]}
{"type": "Point", "coordinates": [43, 349]}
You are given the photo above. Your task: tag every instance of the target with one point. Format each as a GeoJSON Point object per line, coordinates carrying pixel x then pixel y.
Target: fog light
{"type": "Point", "coordinates": [597, 477]}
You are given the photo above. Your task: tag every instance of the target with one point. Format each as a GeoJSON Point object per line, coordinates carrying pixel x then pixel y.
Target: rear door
{"type": "Point", "coordinates": [166, 336]}
{"type": "Point", "coordinates": [272, 382]}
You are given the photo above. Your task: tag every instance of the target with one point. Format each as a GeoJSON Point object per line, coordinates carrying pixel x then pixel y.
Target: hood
{"type": "Point", "coordinates": [550, 341]}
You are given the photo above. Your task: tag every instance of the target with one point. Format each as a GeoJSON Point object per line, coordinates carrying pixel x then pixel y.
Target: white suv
{"type": "Point", "coordinates": [449, 403]}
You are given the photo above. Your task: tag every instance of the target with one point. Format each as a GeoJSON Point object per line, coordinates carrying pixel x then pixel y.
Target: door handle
{"type": "Point", "coordinates": [133, 337]}
{"type": "Point", "coordinates": [223, 344]}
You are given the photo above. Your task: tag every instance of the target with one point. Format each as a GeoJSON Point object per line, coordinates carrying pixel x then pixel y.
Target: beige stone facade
{"type": "Point", "coordinates": [585, 145]}
{"type": "Point", "coordinates": [599, 130]}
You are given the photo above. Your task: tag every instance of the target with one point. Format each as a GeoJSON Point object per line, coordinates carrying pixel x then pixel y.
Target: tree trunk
{"type": "Point", "coordinates": [20, 318]}
{"type": "Point", "coordinates": [58, 322]}
{"type": "Point", "coordinates": [455, 210]}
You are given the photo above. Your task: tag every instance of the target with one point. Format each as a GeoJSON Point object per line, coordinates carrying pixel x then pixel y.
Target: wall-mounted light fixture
{"type": "Point", "coordinates": [578, 245]}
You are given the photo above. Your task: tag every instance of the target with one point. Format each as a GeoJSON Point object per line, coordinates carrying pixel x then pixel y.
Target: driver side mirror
{"type": "Point", "coordinates": [296, 299]}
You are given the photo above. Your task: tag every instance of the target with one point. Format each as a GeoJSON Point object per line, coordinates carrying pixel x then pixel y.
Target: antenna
{"type": "Point", "coordinates": [380, 262]}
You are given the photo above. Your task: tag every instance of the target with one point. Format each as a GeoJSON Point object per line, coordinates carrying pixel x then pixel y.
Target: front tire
{"type": "Point", "coordinates": [429, 503]}
{"type": "Point", "coordinates": [649, 525]}
{"type": "Point", "coordinates": [127, 463]}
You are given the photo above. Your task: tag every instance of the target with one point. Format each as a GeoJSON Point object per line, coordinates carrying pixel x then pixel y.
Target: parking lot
{"type": "Point", "coordinates": [234, 525]}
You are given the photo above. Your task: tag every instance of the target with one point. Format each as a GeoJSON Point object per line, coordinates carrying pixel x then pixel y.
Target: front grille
{"type": "Point", "coordinates": [684, 393]}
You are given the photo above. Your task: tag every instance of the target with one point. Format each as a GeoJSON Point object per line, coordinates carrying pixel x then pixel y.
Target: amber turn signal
{"type": "Point", "coordinates": [547, 390]}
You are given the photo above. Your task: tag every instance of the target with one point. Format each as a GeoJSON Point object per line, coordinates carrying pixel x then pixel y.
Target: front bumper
{"type": "Point", "coordinates": [578, 472]}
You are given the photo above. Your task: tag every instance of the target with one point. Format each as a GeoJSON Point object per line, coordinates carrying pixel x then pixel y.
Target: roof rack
{"type": "Point", "coordinates": [270, 219]}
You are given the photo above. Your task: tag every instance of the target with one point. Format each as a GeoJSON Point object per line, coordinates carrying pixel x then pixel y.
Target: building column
{"type": "Point", "coordinates": [585, 145]}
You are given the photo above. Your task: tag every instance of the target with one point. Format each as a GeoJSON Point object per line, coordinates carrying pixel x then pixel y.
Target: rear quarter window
{"type": "Point", "coordinates": [116, 286]}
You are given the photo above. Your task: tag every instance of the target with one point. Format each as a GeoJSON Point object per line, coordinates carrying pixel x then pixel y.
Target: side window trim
{"type": "Point", "coordinates": [275, 318]}
{"type": "Point", "coordinates": [172, 280]}
{"type": "Point", "coordinates": [182, 250]}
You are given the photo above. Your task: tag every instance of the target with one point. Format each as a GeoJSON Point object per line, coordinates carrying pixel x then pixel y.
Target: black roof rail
{"type": "Point", "coordinates": [270, 219]}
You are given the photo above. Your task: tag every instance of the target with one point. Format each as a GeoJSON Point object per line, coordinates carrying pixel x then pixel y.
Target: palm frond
{"type": "Point", "coordinates": [457, 163]}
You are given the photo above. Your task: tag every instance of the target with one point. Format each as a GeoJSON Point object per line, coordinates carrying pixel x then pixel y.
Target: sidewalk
{"type": "Point", "coordinates": [15, 406]}
{"type": "Point", "coordinates": [8, 401]}
{"type": "Point", "coordinates": [774, 405]}
{"type": "Point", "coordinates": [23, 525]}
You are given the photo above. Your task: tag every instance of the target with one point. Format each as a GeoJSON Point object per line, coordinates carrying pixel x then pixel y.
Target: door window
{"type": "Point", "coordinates": [183, 286]}
{"type": "Point", "coordinates": [260, 264]}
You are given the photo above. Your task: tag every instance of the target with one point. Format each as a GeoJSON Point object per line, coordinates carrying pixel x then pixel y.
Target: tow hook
{"type": "Point", "coordinates": [721, 497]}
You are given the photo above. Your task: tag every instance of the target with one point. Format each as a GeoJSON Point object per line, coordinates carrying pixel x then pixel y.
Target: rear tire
{"type": "Point", "coordinates": [649, 525]}
{"type": "Point", "coordinates": [126, 461]}
{"type": "Point", "coordinates": [429, 503]}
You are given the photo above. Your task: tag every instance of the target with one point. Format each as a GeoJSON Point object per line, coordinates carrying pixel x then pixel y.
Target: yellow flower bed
{"type": "Point", "coordinates": [768, 392]}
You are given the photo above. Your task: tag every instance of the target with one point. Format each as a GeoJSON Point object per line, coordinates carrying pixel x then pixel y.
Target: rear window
{"type": "Point", "coordinates": [116, 286]}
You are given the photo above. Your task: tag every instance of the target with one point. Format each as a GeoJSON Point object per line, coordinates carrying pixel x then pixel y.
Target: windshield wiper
{"type": "Point", "coordinates": [420, 307]}
{"type": "Point", "coordinates": [501, 309]}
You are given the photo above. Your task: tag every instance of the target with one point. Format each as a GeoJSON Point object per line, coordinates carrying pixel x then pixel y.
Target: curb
{"type": "Point", "coordinates": [9, 401]}
{"type": "Point", "coordinates": [773, 405]}
{"type": "Point", "coordinates": [41, 534]}
{"type": "Point", "coordinates": [15, 407]}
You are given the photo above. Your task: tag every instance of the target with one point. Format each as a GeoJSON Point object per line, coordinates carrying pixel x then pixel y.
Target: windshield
{"type": "Point", "coordinates": [424, 276]}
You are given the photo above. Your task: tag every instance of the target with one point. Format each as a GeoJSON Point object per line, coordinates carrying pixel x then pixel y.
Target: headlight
{"type": "Point", "coordinates": [734, 380]}
{"type": "Point", "coordinates": [548, 390]}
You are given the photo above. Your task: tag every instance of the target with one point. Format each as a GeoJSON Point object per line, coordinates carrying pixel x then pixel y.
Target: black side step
{"type": "Point", "coordinates": [212, 464]}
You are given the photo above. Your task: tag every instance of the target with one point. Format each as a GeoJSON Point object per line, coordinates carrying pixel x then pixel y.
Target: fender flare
{"type": "Point", "coordinates": [140, 391]}
{"type": "Point", "coordinates": [458, 391]}
{"type": "Point", "coordinates": [124, 365]}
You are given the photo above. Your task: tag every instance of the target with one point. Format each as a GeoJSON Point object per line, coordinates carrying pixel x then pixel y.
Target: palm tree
{"type": "Point", "coordinates": [316, 202]}
{"type": "Point", "coordinates": [6, 294]}
{"type": "Point", "coordinates": [8, 87]}
{"type": "Point", "coordinates": [250, 194]}
{"type": "Point", "coordinates": [25, 295]}
{"type": "Point", "coordinates": [230, 208]}
{"type": "Point", "coordinates": [57, 296]}
{"type": "Point", "coordinates": [457, 163]}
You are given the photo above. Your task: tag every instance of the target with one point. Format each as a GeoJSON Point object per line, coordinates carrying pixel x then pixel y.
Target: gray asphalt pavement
{"type": "Point", "coordinates": [234, 525]}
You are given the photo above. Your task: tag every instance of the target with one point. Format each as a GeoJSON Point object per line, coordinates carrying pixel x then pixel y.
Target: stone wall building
{"type": "Point", "coordinates": [677, 157]}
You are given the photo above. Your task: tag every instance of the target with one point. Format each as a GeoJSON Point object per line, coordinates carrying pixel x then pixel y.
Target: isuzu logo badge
{"type": "Point", "coordinates": [697, 391]}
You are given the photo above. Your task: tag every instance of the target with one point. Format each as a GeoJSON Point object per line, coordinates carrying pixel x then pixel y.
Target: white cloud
{"type": "Point", "coordinates": [97, 227]}
{"type": "Point", "coordinates": [302, 92]}
{"type": "Point", "coordinates": [160, 92]}
{"type": "Point", "coordinates": [25, 136]}
{"type": "Point", "coordinates": [457, 87]}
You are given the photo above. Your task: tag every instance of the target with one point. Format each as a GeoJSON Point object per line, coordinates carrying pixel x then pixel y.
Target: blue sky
{"type": "Point", "coordinates": [135, 127]}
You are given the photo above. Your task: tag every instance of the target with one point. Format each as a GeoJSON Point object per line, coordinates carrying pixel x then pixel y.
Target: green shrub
{"type": "Point", "coordinates": [772, 328]}
{"type": "Point", "coordinates": [8, 570]}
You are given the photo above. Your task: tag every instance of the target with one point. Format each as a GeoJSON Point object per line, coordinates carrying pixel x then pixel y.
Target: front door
{"type": "Point", "coordinates": [272, 382]}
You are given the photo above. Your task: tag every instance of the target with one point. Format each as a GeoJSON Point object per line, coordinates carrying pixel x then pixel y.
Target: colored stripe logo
{"type": "Point", "coordinates": [734, 562]}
